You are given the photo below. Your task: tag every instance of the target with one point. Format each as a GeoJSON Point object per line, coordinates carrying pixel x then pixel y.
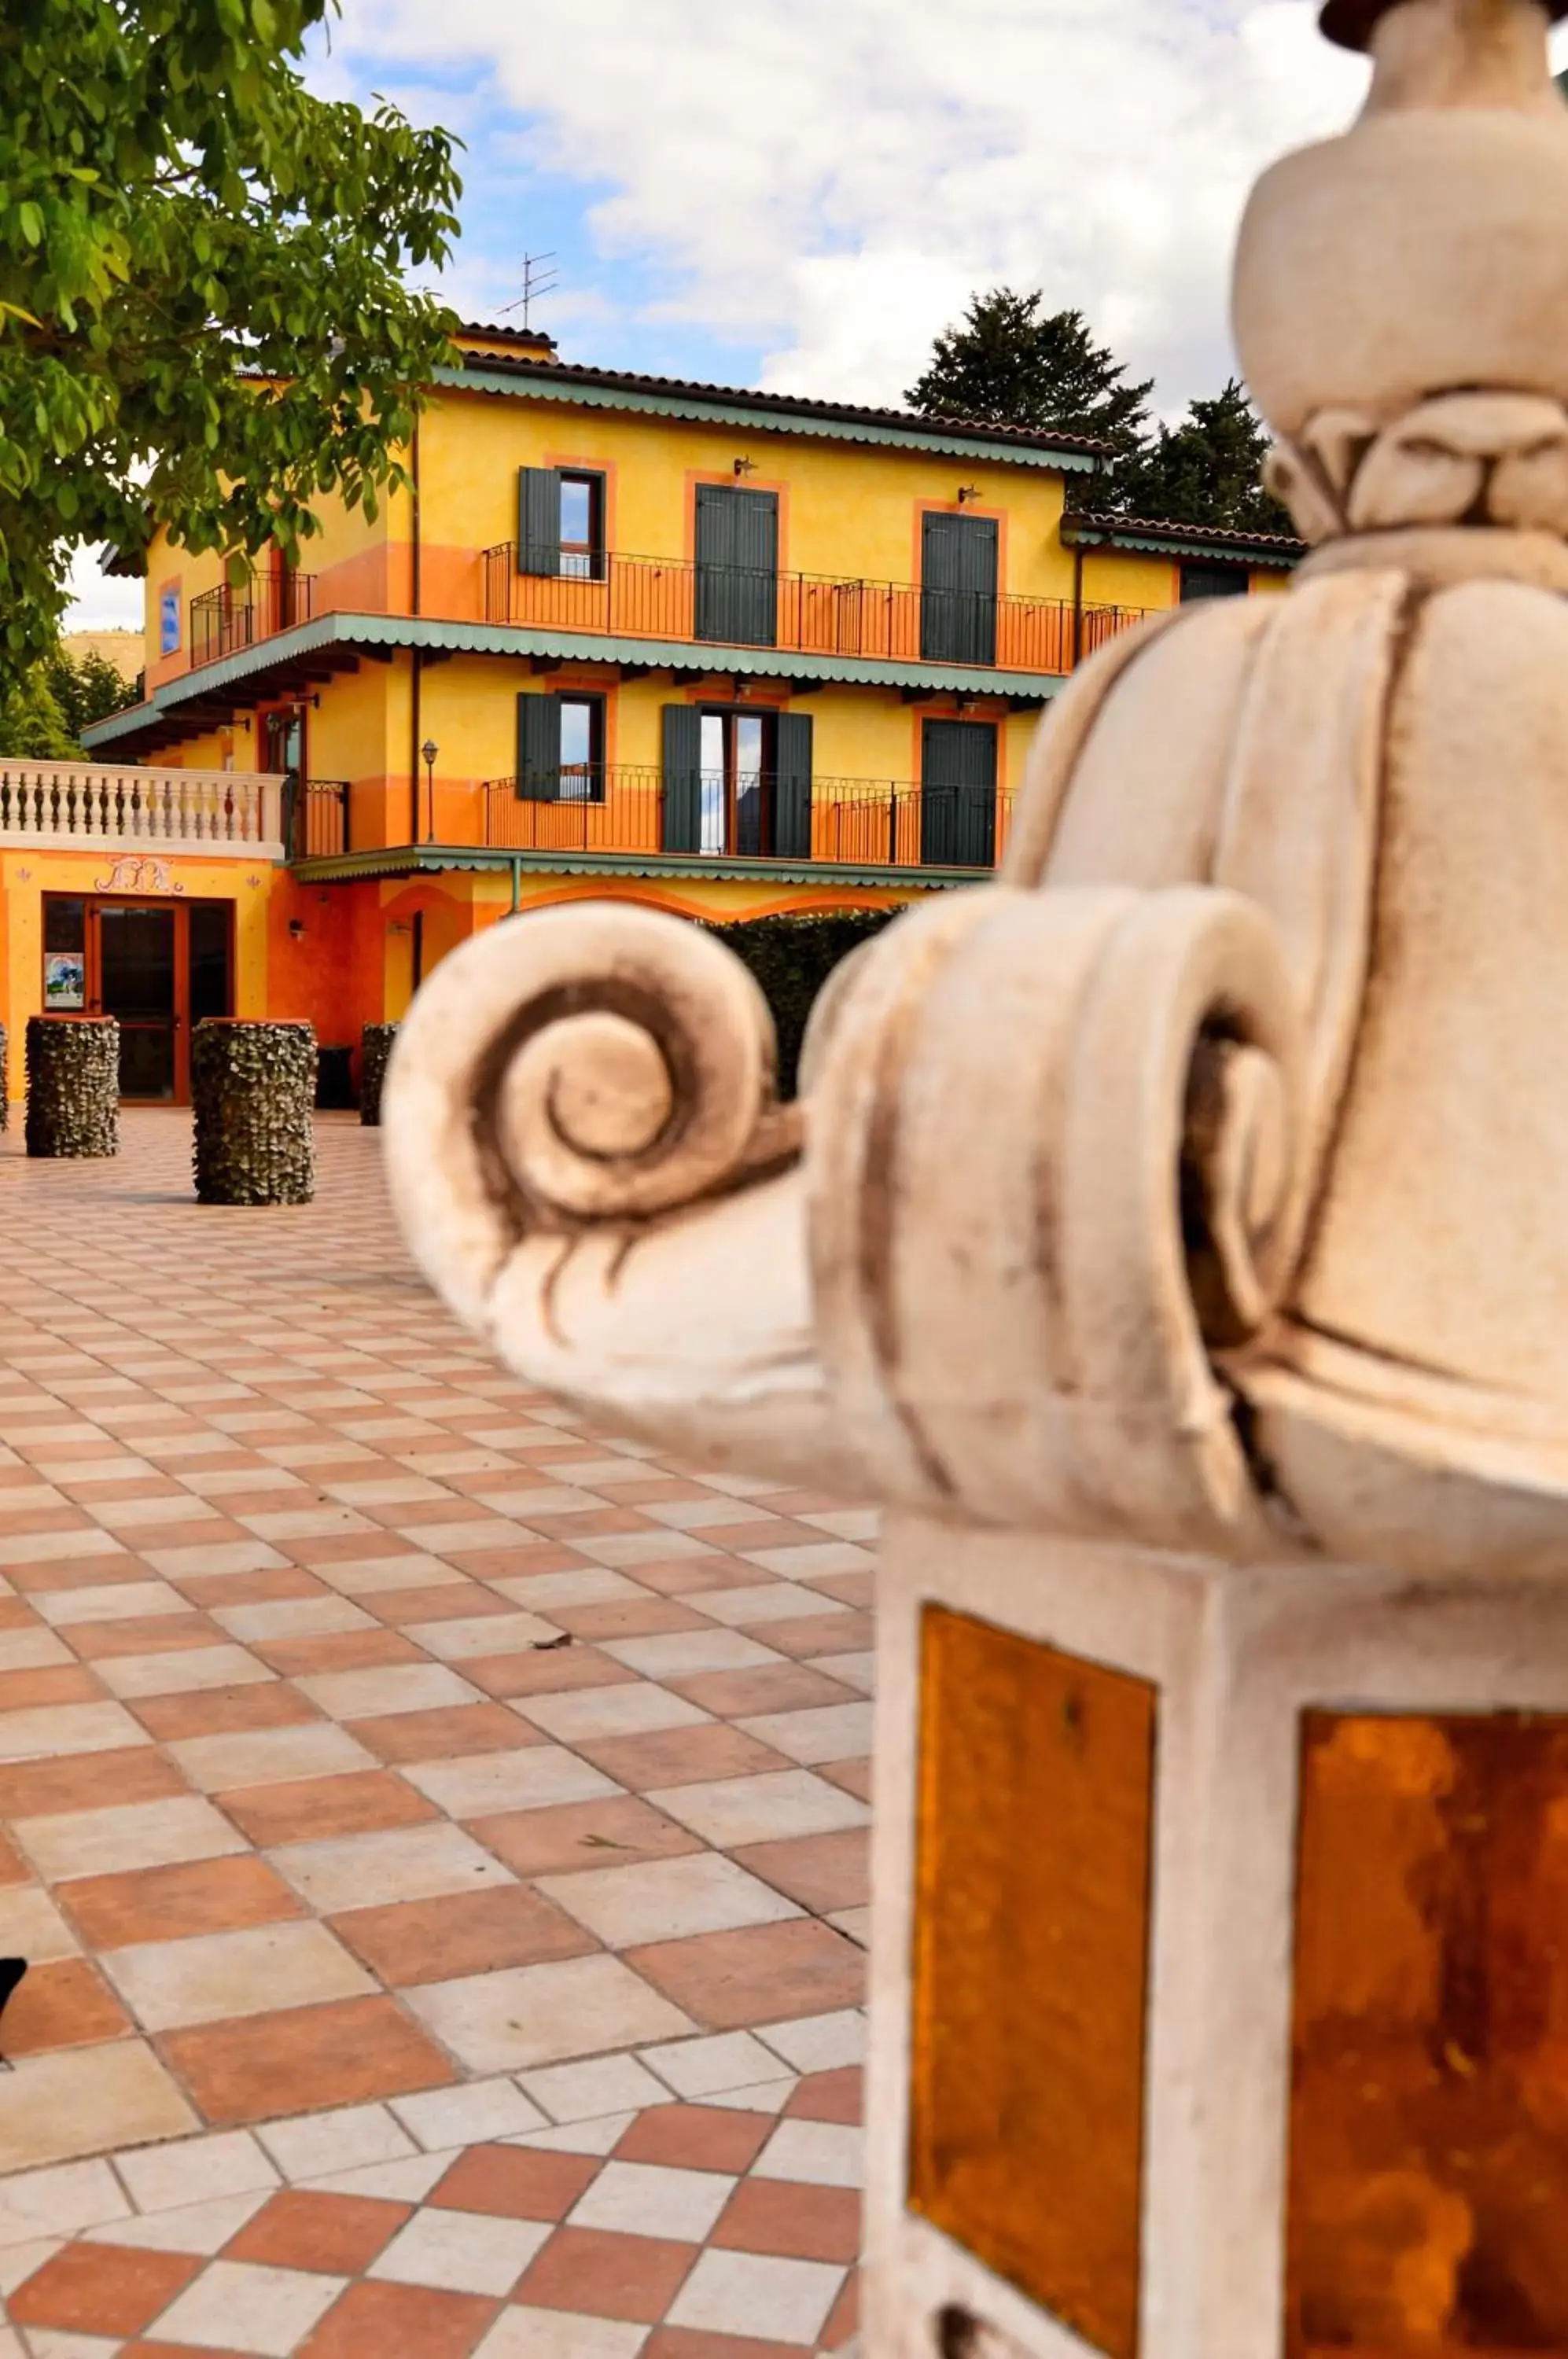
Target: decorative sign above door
{"type": "Point", "coordinates": [137, 872]}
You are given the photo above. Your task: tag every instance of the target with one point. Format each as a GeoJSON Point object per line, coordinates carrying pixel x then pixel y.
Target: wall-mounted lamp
{"type": "Point", "coordinates": [429, 751]}
{"type": "Point", "coordinates": [744, 467]}
{"type": "Point", "coordinates": [297, 929]}
{"type": "Point", "coordinates": [967, 491]}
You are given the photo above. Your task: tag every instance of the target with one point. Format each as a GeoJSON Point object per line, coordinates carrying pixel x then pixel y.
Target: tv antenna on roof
{"type": "Point", "coordinates": [538, 279]}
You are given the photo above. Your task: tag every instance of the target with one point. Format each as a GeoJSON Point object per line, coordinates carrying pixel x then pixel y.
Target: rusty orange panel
{"type": "Point", "coordinates": [1429, 2114]}
{"type": "Point", "coordinates": [1031, 1967]}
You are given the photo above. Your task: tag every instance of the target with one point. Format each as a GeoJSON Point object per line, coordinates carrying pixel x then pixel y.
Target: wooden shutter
{"type": "Point", "coordinates": [958, 589]}
{"type": "Point", "coordinates": [538, 749]}
{"type": "Point", "coordinates": [682, 803]}
{"type": "Point", "coordinates": [958, 794]}
{"type": "Point", "coordinates": [792, 787]}
{"type": "Point", "coordinates": [738, 566]}
{"type": "Point", "coordinates": [539, 520]}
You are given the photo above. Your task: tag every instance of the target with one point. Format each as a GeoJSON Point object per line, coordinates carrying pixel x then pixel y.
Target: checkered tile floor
{"type": "Point", "coordinates": [384, 1756]}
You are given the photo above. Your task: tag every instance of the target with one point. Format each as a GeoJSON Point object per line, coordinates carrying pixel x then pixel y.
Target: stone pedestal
{"type": "Point", "coordinates": [1222, 1957]}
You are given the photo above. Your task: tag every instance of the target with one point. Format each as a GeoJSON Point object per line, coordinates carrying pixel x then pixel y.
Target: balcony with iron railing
{"type": "Point", "coordinates": [228, 618]}
{"type": "Point", "coordinates": [599, 811]}
{"type": "Point", "coordinates": [801, 614]}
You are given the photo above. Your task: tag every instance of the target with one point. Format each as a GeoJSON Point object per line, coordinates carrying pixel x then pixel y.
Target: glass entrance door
{"type": "Point", "coordinates": [137, 972]}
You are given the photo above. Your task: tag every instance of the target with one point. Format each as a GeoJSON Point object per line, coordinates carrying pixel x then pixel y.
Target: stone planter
{"type": "Point", "coordinates": [73, 1085]}
{"type": "Point", "coordinates": [254, 1089]}
{"type": "Point", "coordinates": [375, 1048]}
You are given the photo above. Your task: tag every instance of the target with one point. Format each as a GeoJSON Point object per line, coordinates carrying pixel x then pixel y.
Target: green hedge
{"type": "Point", "coordinates": [791, 958]}
{"type": "Point", "coordinates": [253, 1087]}
{"type": "Point", "coordinates": [73, 1085]}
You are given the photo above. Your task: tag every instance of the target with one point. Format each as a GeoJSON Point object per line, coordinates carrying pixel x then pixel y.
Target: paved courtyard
{"type": "Point", "coordinates": [438, 1832]}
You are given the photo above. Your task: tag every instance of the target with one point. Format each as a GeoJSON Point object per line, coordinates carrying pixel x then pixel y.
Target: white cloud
{"type": "Point", "coordinates": [830, 179]}
{"type": "Point", "coordinates": [100, 601]}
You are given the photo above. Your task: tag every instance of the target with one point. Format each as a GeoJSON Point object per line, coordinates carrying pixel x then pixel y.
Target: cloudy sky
{"type": "Point", "coordinates": [799, 194]}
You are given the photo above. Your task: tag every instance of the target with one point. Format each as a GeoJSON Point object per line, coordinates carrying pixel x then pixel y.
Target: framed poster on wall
{"type": "Point", "coordinates": [65, 981]}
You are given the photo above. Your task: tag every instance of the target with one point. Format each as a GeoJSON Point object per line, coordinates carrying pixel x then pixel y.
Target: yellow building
{"type": "Point", "coordinates": [727, 653]}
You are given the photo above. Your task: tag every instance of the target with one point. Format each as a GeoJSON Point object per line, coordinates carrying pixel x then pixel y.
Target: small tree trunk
{"type": "Point", "coordinates": [375, 1048]}
{"type": "Point", "coordinates": [73, 1085]}
{"type": "Point", "coordinates": [254, 1087]}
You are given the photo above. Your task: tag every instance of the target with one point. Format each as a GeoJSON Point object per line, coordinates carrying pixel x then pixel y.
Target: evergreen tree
{"type": "Point", "coordinates": [1011, 364]}
{"type": "Point", "coordinates": [1207, 469]}
{"type": "Point", "coordinates": [86, 687]}
{"type": "Point", "coordinates": [32, 726]}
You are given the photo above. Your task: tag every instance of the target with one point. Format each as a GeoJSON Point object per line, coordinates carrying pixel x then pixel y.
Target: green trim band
{"type": "Point", "coordinates": [416, 859]}
{"type": "Point", "coordinates": [1154, 544]}
{"type": "Point", "coordinates": [576, 646]}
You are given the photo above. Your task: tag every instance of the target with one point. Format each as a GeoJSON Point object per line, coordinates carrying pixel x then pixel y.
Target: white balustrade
{"type": "Point", "coordinates": [59, 804]}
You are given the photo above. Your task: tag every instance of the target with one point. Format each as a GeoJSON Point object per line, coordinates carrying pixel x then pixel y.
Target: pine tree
{"type": "Point", "coordinates": [1207, 469]}
{"type": "Point", "coordinates": [1009, 364]}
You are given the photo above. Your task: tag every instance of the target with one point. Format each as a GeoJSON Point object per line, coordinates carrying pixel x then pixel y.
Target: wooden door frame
{"type": "Point", "coordinates": [94, 904]}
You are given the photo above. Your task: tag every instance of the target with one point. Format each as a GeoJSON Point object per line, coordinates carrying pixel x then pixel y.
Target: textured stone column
{"type": "Point", "coordinates": [1174, 1236]}
{"type": "Point", "coordinates": [254, 1089]}
{"type": "Point", "coordinates": [73, 1085]}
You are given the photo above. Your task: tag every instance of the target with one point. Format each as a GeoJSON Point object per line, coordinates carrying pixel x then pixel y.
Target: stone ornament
{"type": "Point", "coordinates": [1174, 1235]}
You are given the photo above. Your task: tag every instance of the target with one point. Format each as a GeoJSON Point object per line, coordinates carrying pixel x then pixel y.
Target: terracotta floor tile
{"type": "Point", "coordinates": [452, 1601]}
{"type": "Point", "coordinates": [822, 1871]}
{"type": "Point", "coordinates": [582, 1834]}
{"type": "Point", "coordinates": [549, 1670]}
{"type": "Point", "coordinates": [822, 1634]}
{"type": "Point", "coordinates": [464, 1933]}
{"type": "Point", "coordinates": [309, 1810]}
{"type": "Point", "coordinates": [102, 2289]}
{"type": "Point", "coordinates": [14, 1868]}
{"type": "Point", "coordinates": [844, 2319]}
{"type": "Point", "coordinates": [341, 1650]}
{"type": "Point", "coordinates": [445, 1735]}
{"type": "Point", "coordinates": [761, 1974]}
{"type": "Point", "coordinates": [87, 1781]}
{"type": "Point", "coordinates": [308, 2229]}
{"type": "Point", "coordinates": [596, 2275]}
{"type": "Point", "coordinates": [850, 1588]}
{"type": "Point", "coordinates": [218, 1711]}
{"type": "Point", "coordinates": [61, 1683]}
{"type": "Point", "coordinates": [252, 1588]}
{"type": "Point", "coordinates": [146, 1634]}
{"type": "Point", "coordinates": [140, 2350]}
{"type": "Point", "coordinates": [168, 1904]}
{"type": "Point", "coordinates": [516, 2182]}
{"type": "Point", "coordinates": [696, 2138]}
{"type": "Point", "coordinates": [62, 2004]}
{"type": "Point", "coordinates": [855, 1776]}
{"type": "Point", "coordinates": [399, 2322]}
{"type": "Point", "coordinates": [627, 1617]}
{"type": "Point", "coordinates": [773, 1687]}
{"type": "Point", "coordinates": [687, 1576]}
{"type": "Point", "coordinates": [838, 2096]}
{"type": "Point", "coordinates": [691, 2342]}
{"type": "Point", "coordinates": [303, 2060]}
{"type": "Point", "coordinates": [679, 1757]}
{"type": "Point", "coordinates": [797, 2223]}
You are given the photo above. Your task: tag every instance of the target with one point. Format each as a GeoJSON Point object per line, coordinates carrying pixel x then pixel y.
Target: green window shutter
{"type": "Point", "coordinates": [958, 589]}
{"type": "Point", "coordinates": [792, 788]}
{"type": "Point", "coordinates": [682, 812]}
{"type": "Point", "coordinates": [958, 794]}
{"type": "Point", "coordinates": [539, 520]}
{"type": "Point", "coordinates": [538, 749]}
{"type": "Point", "coordinates": [738, 566]}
